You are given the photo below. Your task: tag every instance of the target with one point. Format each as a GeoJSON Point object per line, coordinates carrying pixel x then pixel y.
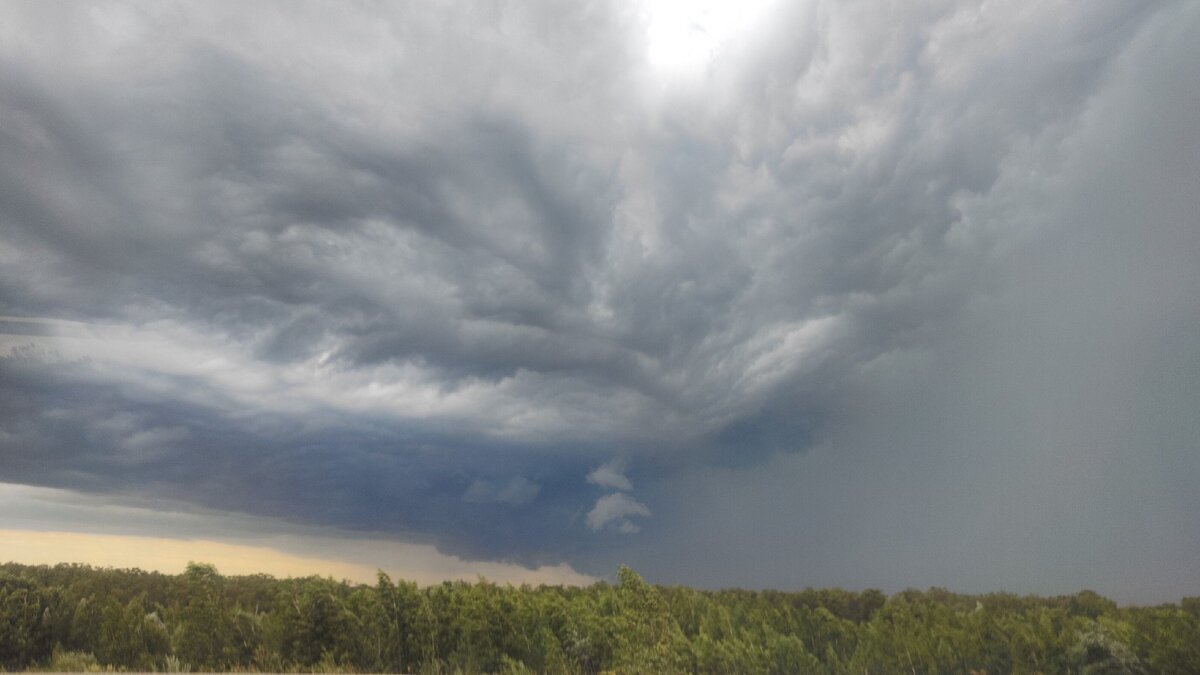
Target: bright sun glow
{"type": "Point", "coordinates": [684, 35]}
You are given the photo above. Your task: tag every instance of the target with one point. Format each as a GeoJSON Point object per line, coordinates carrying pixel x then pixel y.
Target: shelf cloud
{"type": "Point", "coordinates": [890, 296]}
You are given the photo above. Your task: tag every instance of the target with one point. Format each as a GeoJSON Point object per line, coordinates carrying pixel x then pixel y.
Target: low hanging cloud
{"type": "Point", "coordinates": [616, 509]}
{"type": "Point", "coordinates": [519, 490]}
{"type": "Point", "coordinates": [44, 526]}
{"type": "Point", "coordinates": [610, 475]}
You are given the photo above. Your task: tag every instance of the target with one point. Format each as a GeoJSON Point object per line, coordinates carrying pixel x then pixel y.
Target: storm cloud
{"type": "Point", "coordinates": [862, 295]}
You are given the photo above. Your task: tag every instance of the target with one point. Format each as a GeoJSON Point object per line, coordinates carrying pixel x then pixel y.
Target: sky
{"type": "Point", "coordinates": [755, 294]}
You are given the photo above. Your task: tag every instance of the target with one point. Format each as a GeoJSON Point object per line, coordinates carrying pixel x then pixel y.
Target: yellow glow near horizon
{"type": "Point", "coordinates": [170, 556]}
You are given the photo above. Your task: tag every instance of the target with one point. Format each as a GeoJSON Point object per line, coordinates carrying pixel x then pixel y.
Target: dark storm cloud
{"type": "Point", "coordinates": [64, 429]}
{"type": "Point", "coordinates": [423, 270]}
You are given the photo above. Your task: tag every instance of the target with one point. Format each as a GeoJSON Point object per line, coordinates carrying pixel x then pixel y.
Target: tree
{"type": "Point", "coordinates": [24, 623]}
{"type": "Point", "coordinates": [203, 637]}
{"type": "Point", "coordinates": [648, 640]}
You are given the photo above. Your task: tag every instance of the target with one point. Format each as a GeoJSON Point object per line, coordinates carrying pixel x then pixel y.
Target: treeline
{"type": "Point", "coordinates": [74, 617]}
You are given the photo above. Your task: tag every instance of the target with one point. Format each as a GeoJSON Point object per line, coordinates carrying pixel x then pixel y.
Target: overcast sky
{"type": "Point", "coordinates": [739, 294]}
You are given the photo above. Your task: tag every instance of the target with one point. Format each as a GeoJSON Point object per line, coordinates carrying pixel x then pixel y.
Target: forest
{"type": "Point", "coordinates": [71, 617]}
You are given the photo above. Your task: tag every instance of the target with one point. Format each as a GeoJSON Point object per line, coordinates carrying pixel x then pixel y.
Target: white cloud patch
{"type": "Point", "coordinates": [627, 527]}
{"type": "Point", "coordinates": [616, 508]}
{"type": "Point", "coordinates": [610, 475]}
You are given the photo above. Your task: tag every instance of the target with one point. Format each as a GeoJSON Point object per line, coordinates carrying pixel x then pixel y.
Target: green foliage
{"type": "Point", "coordinates": [648, 637]}
{"type": "Point", "coordinates": [203, 635]}
{"type": "Point", "coordinates": [25, 622]}
{"type": "Point", "coordinates": [77, 619]}
{"type": "Point", "coordinates": [1090, 604]}
{"type": "Point", "coordinates": [74, 662]}
{"type": "Point", "coordinates": [1167, 639]}
{"type": "Point", "coordinates": [1100, 650]}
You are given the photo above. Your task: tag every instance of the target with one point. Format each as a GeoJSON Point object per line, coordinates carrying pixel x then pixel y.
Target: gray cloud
{"type": "Point", "coordinates": [519, 490]}
{"type": "Point", "coordinates": [360, 269]}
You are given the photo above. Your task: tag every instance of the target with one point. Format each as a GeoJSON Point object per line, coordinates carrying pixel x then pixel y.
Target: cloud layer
{"type": "Point", "coordinates": [863, 277]}
{"type": "Point", "coordinates": [43, 526]}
